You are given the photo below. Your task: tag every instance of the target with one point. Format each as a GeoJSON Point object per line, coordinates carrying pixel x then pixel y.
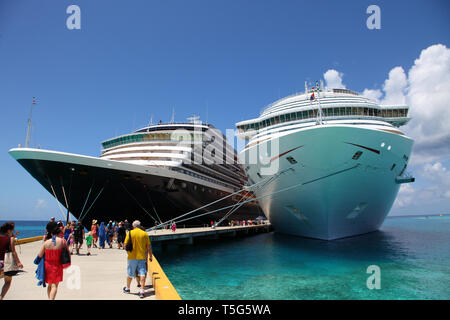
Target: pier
{"type": "Point", "coordinates": [188, 235]}
{"type": "Point", "coordinates": [102, 275]}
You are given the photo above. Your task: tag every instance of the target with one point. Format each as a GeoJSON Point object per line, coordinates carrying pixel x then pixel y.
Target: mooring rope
{"type": "Point", "coordinates": [211, 203]}
{"type": "Point", "coordinates": [138, 203]}
{"type": "Point", "coordinates": [262, 196]}
{"type": "Point", "coordinates": [85, 214]}
{"type": "Point", "coordinates": [54, 194]}
{"type": "Point", "coordinates": [89, 193]}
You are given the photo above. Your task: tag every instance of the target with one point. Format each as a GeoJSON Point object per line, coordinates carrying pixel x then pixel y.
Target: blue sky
{"type": "Point", "coordinates": [223, 60]}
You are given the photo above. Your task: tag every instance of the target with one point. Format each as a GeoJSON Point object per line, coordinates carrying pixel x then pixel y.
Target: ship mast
{"type": "Point", "coordinates": [27, 139]}
{"type": "Point", "coordinates": [320, 114]}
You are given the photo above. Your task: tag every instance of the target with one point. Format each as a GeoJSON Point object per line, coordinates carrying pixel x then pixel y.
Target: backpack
{"type": "Point", "coordinates": [78, 230]}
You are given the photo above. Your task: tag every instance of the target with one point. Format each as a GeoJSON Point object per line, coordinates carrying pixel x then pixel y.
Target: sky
{"type": "Point", "coordinates": [222, 60]}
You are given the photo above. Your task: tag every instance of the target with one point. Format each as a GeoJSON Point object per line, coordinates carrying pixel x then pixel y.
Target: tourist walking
{"type": "Point", "coordinates": [94, 232]}
{"type": "Point", "coordinates": [110, 233]}
{"type": "Point", "coordinates": [78, 235]}
{"type": "Point", "coordinates": [121, 233]}
{"type": "Point", "coordinates": [102, 235]}
{"type": "Point", "coordinates": [140, 252]}
{"type": "Point", "coordinates": [52, 249]}
{"type": "Point", "coordinates": [52, 219]}
{"type": "Point", "coordinates": [89, 239]}
{"type": "Point", "coordinates": [68, 235]}
{"type": "Point", "coordinates": [9, 260]}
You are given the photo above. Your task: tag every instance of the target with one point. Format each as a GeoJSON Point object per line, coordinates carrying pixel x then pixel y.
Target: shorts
{"type": "Point", "coordinates": [136, 267]}
{"type": "Point", "coordinates": [78, 240]}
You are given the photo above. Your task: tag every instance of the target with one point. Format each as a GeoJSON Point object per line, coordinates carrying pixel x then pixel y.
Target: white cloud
{"type": "Point", "coordinates": [373, 94]}
{"type": "Point", "coordinates": [395, 87]}
{"type": "Point", "coordinates": [405, 196]}
{"type": "Point", "coordinates": [333, 79]}
{"type": "Point", "coordinates": [429, 101]}
{"type": "Point", "coordinates": [426, 90]}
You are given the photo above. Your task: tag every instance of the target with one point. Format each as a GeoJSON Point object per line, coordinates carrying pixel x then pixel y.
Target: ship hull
{"type": "Point", "coordinates": [93, 188]}
{"type": "Point", "coordinates": [320, 187]}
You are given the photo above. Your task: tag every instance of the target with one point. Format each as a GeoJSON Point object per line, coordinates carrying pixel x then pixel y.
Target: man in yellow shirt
{"type": "Point", "coordinates": [137, 257]}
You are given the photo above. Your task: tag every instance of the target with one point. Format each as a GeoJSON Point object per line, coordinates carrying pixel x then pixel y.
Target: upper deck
{"type": "Point", "coordinates": [335, 104]}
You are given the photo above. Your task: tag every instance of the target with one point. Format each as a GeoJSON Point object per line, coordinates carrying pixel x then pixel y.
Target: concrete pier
{"type": "Point", "coordinates": [188, 235]}
{"type": "Point", "coordinates": [100, 276]}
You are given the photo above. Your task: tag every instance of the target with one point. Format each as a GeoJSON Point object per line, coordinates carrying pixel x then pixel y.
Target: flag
{"type": "Point", "coordinates": [312, 97]}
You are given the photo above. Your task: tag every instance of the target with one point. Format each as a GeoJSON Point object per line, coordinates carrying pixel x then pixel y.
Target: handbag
{"type": "Point", "coordinates": [65, 256]}
{"type": "Point", "coordinates": [129, 246]}
{"type": "Point", "coordinates": [10, 263]}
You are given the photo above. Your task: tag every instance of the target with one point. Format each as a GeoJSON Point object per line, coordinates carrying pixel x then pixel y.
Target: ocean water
{"type": "Point", "coordinates": [28, 229]}
{"type": "Point", "coordinates": [413, 256]}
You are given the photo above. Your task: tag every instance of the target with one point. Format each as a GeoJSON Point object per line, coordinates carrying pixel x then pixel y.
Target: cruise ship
{"type": "Point", "coordinates": [326, 163]}
{"type": "Point", "coordinates": [155, 174]}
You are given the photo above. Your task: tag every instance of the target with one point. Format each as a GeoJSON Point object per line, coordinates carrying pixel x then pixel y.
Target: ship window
{"type": "Point", "coordinates": [282, 118]}
{"type": "Point", "coordinates": [342, 111]}
{"type": "Point", "coordinates": [305, 114]}
{"type": "Point", "coordinates": [288, 117]}
{"type": "Point", "coordinates": [348, 111]}
{"type": "Point", "coordinates": [277, 119]}
{"type": "Point", "coordinates": [293, 116]}
{"type": "Point", "coordinates": [299, 115]}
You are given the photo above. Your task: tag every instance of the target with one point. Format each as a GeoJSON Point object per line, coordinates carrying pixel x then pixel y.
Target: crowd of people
{"type": "Point", "coordinates": [60, 240]}
{"type": "Point", "coordinates": [98, 236]}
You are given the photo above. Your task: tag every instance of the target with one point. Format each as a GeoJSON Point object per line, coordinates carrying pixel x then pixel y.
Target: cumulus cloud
{"type": "Point", "coordinates": [426, 90]}
{"type": "Point", "coordinates": [429, 100]}
{"type": "Point", "coordinates": [395, 87]}
{"type": "Point", "coordinates": [373, 94]}
{"type": "Point", "coordinates": [333, 79]}
{"type": "Point", "coordinates": [405, 196]}
{"type": "Point", "coordinates": [437, 190]}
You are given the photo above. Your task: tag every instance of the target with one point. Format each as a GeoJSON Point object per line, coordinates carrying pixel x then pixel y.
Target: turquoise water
{"type": "Point", "coordinates": [413, 255]}
{"type": "Point", "coordinates": [28, 229]}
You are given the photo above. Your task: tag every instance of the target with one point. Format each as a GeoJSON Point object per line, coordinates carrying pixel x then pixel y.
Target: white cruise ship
{"type": "Point", "coordinates": [154, 174]}
{"type": "Point", "coordinates": [326, 164]}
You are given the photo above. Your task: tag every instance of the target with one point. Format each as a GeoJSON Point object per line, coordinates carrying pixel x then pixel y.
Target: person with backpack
{"type": "Point", "coordinates": [137, 244]}
{"type": "Point", "coordinates": [78, 235]}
